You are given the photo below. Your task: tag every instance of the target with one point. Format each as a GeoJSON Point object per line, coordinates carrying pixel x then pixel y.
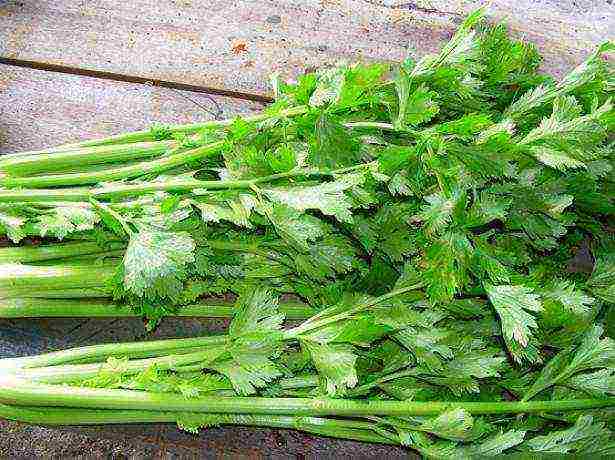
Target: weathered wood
{"type": "Point", "coordinates": [234, 44]}
{"type": "Point", "coordinates": [41, 109]}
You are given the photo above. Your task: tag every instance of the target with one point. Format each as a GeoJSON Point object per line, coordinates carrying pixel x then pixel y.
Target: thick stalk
{"type": "Point", "coordinates": [75, 249]}
{"type": "Point", "coordinates": [18, 277]}
{"type": "Point", "coordinates": [61, 161]}
{"type": "Point", "coordinates": [39, 253]}
{"type": "Point", "coordinates": [78, 308]}
{"type": "Point", "coordinates": [192, 361]}
{"type": "Point", "coordinates": [317, 321]}
{"type": "Point", "coordinates": [174, 185]}
{"type": "Point", "coordinates": [121, 191]}
{"type": "Point", "coordinates": [40, 295]}
{"type": "Point", "coordinates": [344, 429]}
{"type": "Point", "coordinates": [148, 135]}
{"type": "Point", "coordinates": [19, 392]}
{"type": "Point", "coordinates": [44, 195]}
{"type": "Point", "coordinates": [126, 172]}
{"type": "Point", "coordinates": [187, 185]}
{"type": "Point", "coordinates": [313, 323]}
{"type": "Point", "coordinates": [109, 258]}
{"type": "Point", "coordinates": [72, 373]}
{"type": "Point", "coordinates": [100, 352]}
{"type": "Point", "coordinates": [29, 153]}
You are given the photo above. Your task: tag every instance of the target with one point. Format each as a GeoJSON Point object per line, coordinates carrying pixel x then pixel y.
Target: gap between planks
{"type": "Point", "coordinates": [105, 75]}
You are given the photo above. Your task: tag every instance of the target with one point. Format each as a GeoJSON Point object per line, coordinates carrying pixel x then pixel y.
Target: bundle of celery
{"type": "Point", "coordinates": [426, 220]}
{"type": "Point", "coordinates": [367, 369]}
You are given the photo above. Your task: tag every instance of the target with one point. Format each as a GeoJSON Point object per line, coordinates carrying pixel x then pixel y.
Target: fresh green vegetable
{"type": "Point", "coordinates": [344, 372]}
{"type": "Point", "coordinates": [427, 221]}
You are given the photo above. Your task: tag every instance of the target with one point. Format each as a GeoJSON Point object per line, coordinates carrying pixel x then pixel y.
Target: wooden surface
{"type": "Point", "coordinates": [40, 109]}
{"type": "Point", "coordinates": [235, 45]}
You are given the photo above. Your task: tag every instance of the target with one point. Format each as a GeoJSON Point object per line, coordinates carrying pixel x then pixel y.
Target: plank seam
{"type": "Point", "coordinates": [105, 75]}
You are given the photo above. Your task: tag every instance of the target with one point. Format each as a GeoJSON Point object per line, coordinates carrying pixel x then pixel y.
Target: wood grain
{"type": "Point", "coordinates": [235, 44]}
{"type": "Point", "coordinates": [40, 109]}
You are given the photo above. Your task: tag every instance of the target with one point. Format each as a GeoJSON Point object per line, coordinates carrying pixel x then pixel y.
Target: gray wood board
{"type": "Point", "coordinates": [40, 109]}
{"type": "Point", "coordinates": [236, 44]}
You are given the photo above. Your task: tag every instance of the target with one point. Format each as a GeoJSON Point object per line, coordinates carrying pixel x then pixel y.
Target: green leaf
{"type": "Point", "coordinates": [585, 437]}
{"type": "Point", "coordinates": [12, 226]}
{"type": "Point", "coordinates": [513, 304]}
{"type": "Point", "coordinates": [193, 422]}
{"type": "Point", "coordinates": [596, 384]}
{"type": "Point", "coordinates": [326, 258]}
{"type": "Point", "coordinates": [256, 311]}
{"type": "Point", "coordinates": [496, 445]}
{"type": "Point", "coordinates": [256, 338]}
{"type": "Point", "coordinates": [400, 185]}
{"type": "Point", "coordinates": [329, 84]}
{"type": "Point", "coordinates": [361, 330]}
{"type": "Point", "coordinates": [566, 126]}
{"type": "Point", "coordinates": [63, 220]}
{"type": "Point", "coordinates": [486, 262]}
{"type": "Point", "coordinates": [190, 385]}
{"type": "Point", "coordinates": [112, 219]}
{"type": "Point", "coordinates": [297, 229]}
{"type": "Point", "coordinates": [480, 363]}
{"type": "Point", "coordinates": [359, 84]}
{"type": "Point", "coordinates": [335, 363]}
{"type": "Point", "coordinates": [410, 276]}
{"type": "Point", "coordinates": [460, 48]}
{"type": "Point", "coordinates": [237, 211]}
{"type": "Point", "coordinates": [470, 363]}
{"type": "Point", "coordinates": [438, 213]}
{"type": "Point", "coordinates": [555, 158]}
{"type": "Point", "coordinates": [244, 160]}
{"type": "Point", "coordinates": [389, 232]}
{"type": "Point", "coordinates": [455, 424]}
{"type": "Point", "coordinates": [427, 343]}
{"type": "Point", "coordinates": [303, 89]}
{"type": "Point", "coordinates": [328, 197]}
{"type": "Point", "coordinates": [414, 107]}
{"type": "Point", "coordinates": [565, 295]}
{"type": "Point", "coordinates": [602, 280]}
{"type": "Point", "coordinates": [506, 61]}
{"type": "Point", "coordinates": [156, 263]}
{"type": "Point", "coordinates": [493, 446]}
{"type": "Point", "coordinates": [466, 126]}
{"type": "Point", "coordinates": [249, 369]}
{"type": "Point", "coordinates": [540, 95]}
{"type": "Point", "coordinates": [485, 209]}
{"type": "Point", "coordinates": [591, 354]}
{"type": "Point", "coordinates": [333, 146]}
{"type": "Point", "coordinates": [286, 157]}
{"type": "Point", "coordinates": [446, 265]}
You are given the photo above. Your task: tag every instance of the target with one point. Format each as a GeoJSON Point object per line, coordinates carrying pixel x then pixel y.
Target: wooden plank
{"type": "Point", "coordinates": [234, 44]}
{"type": "Point", "coordinates": [41, 109]}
